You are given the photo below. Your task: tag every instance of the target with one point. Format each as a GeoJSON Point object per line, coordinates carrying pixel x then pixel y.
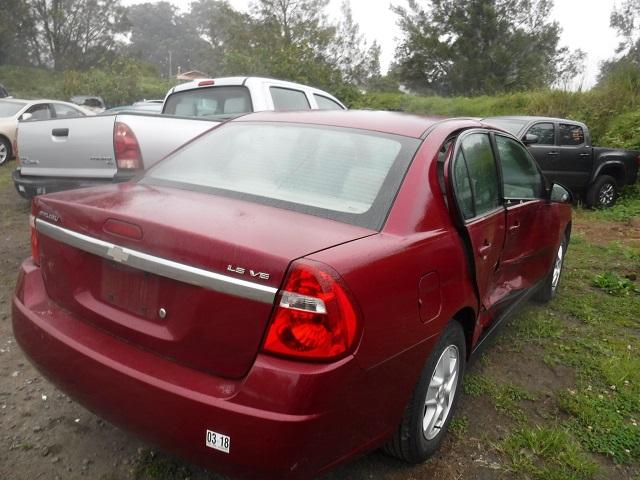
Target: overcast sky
{"type": "Point", "coordinates": [585, 25]}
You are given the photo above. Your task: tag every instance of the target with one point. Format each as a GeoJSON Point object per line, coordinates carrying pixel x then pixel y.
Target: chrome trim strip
{"type": "Point", "coordinates": [159, 266]}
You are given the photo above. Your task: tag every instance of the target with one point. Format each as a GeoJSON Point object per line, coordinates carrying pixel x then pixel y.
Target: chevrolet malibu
{"type": "Point", "coordinates": [290, 290]}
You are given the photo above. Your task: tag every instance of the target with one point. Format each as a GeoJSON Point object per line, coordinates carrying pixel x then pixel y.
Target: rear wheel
{"type": "Point", "coordinates": [5, 150]}
{"type": "Point", "coordinates": [603, 192]}
{"type": "Point", "coordinates": [433, 401]}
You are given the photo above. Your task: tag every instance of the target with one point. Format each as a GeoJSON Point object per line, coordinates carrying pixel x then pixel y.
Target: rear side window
{"type": "Point", "coordinates": [462, 186]}
{"type": "Point", "coordinates": [521, 178]}
{"type": "Point", "coordinates": [341, 174]}
{"type": "Point", "coordinates": [65, 111]}
{"type": "Point", "coordinates": [288, 99]}
{"type": "Point", "coordinates": [211, 102]}
{"type": "Point", "coordinates": [544, 132]}
{"type": "Point", "coordinates": [325, 103]}
{"type": "Point", "coordinates": [571, 135]}
{"type": "Point", "coordinates": [483, 175]}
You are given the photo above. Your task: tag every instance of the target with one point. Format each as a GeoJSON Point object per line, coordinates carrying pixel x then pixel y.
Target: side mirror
{"type": "Point", "coordinates": [26, 116]}
{"type": "Point", "coordinates": [530, 139]}
{"type": "Point", "coordinates": [560, 194]}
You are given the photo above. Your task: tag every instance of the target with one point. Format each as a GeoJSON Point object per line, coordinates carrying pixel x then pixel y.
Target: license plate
{"type": "Point", "coordinates": [128, 289]}
{"type": "Point", "coordinates": [218, 441]}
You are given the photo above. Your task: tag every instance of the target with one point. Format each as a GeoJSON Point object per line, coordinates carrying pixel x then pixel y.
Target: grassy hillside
{"type": "Point", "coordinates": [612, 110]}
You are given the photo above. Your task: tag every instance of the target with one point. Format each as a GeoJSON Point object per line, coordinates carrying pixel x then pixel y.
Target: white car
{"type": "Point", "coordinates": [13, 110]}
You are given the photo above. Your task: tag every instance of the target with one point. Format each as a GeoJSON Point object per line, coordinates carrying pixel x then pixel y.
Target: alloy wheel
{"type": "Point", "coordinates": [441, 392]}
{"type": "Point", "coordinates": [606, 195]}
{"type": "Point", "coordinates": [557, 268]}
{"type": "Point", "coordinates": [4, 153]}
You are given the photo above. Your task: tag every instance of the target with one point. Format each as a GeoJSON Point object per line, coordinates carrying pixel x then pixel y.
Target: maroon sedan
{"type": "Point", "coordinates": [291, 289]}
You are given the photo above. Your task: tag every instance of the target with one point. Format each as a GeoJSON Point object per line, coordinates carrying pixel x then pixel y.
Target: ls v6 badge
{"type": "Point", "coordinates": [243, 271]}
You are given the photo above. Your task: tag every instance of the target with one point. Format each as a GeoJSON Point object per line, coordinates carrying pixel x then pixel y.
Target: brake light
{"type": "Point", "coordinates": [206, 83]}
{"type": "Point", "coordinates": [315, 319]}
{"type": "Point", "coordinates": [35, 250]}
{"type": "Point", "coordinates": [126, 148]}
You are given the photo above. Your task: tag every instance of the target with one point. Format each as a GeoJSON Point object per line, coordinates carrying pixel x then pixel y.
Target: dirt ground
{"type": "Point", "coordinates": [45, 435]}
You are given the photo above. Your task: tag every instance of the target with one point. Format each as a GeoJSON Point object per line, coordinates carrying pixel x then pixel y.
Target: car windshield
{"type": "Point", "coordinates": [9, 109]}
{"type": "Point", "coordinates": [211, 102]}
{"type": "Point", "coordinates": [343, 174]}
{"type": "Point", "coordinates": [508, 124]}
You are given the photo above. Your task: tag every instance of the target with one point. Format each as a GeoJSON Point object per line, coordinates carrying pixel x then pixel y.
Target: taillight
{"type": "Point", "coordinates": [315, 319]}
{"type": "Point", "coordinates": [35, 250]}
{"type": "Point", "coordinates": [127, 150]}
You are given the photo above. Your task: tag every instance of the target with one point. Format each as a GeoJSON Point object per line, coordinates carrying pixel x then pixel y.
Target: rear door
{"type": "Point", "coordinates": [476, 189]}
{"type": "Point", "coordinates": [79, 147]}
{"type": "Point", "coordinates": [531, 229]}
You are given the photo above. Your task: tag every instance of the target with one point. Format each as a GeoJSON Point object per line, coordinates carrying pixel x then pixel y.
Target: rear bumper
{"type": "Point", "coordinates": [30, 186]}
{"type": "Point", "coordinates": [285, 420]}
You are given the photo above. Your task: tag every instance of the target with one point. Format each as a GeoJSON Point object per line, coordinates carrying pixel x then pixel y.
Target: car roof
{"type": "Point", "coordinates": [532, 118]}
{"type": "Point", "coordinates": [380, 121]}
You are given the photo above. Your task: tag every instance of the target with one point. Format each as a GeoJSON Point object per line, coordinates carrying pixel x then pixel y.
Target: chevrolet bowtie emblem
{"type": "Point", "coordinates": [117, 254]}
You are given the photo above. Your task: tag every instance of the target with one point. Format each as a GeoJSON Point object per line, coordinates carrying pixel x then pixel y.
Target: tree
{"type": "Point", "coordinates": [160, 35]}
{"type": "Point", "coordinates": [16, 34]}
{"type": "Point", "coordinates": [358, 61]}
{"type": "Point", "coordinates": [75, 33]}
{"type": "Point", "coordinates": [625, 19]}
{"type": "Point", "coordinates": [473, 47]}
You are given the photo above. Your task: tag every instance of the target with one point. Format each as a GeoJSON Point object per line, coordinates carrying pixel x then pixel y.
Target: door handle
{"type": "Point", "coordinates": [585, 154]}
{"type": "Point", "coordinates": [552, 153]}
{"type": "Point", "coordinates": [60, 132]}
{"type": "Point", "coordinates": [514, 228]}
{"type": "Point", "coordinates": [484, 248]}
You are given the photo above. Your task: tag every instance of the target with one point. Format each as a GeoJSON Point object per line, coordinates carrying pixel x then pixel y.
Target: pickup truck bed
{"type": "Point", "coordinates": [87, 147]}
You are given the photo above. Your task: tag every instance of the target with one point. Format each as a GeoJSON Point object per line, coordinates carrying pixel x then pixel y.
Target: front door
{"type": "Point", "coordinates": [545, 151]}
{"type": "Point", "coordinates": [477, 193]}
{"type": "Point", "coordinates": [575, 160]}
{"type": "Point", "coordinates": [531, 232]}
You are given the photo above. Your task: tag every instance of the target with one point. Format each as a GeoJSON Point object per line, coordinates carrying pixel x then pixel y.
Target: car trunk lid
{"type": "Point", "coordinates": [187, 275]}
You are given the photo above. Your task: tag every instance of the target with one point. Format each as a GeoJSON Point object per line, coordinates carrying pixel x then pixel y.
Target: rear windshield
{"type": "Point", "coordinates": [342, 174]}
{"type": "Point", "coordinates": [9, 109]}
{"type": "Point", "coordinates": [508, 124]}
{"type": "Point", "coordinates": [211, 102]}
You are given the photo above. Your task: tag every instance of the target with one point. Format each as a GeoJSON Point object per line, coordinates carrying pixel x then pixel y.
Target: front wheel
{"type": "Point", "coordinates": [603, 192]}
{"type": "Point", "coordinates": [5, 150]}
{"type": "Point", "coordinates": [428, 414]}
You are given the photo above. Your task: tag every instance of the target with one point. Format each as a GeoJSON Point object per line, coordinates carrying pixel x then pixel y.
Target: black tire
{"type": "Point", "coordinates": [410, 442]}
{"type": "Point", "coordinates": [602, 193]}
{"type": "Point", "coordinates": [549, 289]}
{"type": "Point", "coordinates": [5, 151]}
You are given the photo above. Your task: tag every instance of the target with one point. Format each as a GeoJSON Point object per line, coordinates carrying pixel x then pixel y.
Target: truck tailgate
{"type": "Point", "coordinates": [83, 147]}
{"type": "Point", "coordinates": [67, 147]}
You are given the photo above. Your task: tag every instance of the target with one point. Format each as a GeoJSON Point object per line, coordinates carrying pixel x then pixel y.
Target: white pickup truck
{"type": "Point", "coordinates": [62, 154]}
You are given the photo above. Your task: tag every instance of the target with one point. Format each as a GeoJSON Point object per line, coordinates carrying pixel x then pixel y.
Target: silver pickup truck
{"type": "Point", "coordinates": [63, 154]}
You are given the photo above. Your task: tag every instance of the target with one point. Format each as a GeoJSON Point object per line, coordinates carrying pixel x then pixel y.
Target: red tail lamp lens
{"type": "Point", "coordinates": [127, 150]}
{"type": "Point", "coordinates": [35, 250]}
{"type": "Point", "coordinates": [315, 318]}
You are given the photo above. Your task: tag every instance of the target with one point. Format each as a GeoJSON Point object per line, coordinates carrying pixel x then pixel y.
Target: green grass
{"type": "Point", "coordinates": [626, 208]}
{"type": "Point", "coordinates": [506, 397]}
{"type": "Point", "coordinates": [546, 454]}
